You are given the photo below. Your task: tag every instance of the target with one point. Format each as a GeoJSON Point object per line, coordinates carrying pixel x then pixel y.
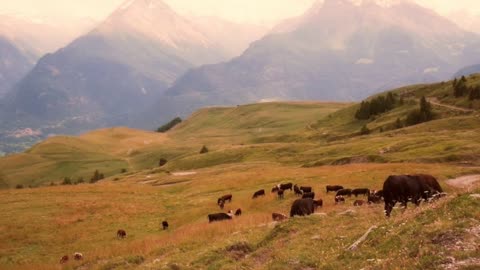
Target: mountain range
{"type": "Point", "coordinates": [337, 50]}
{"type": "Point", "coordinates": [146, 64]}
{"type": "Point", "coordinates": [14, 64]}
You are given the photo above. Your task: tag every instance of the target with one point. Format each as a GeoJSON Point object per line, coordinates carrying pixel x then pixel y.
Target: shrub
{"type": "Point", "coordinates": [97, 176]}
{"type": "Point", "coordinates": [67, 181]}
{"type": "Point", "coordinates": [19, 186]}
{"type": "Point", "coordinates": [169, 125]}
{"type": "Point", "coordinates": [364, 130]}
{"type": "Point", "coordinates": [123, 170]}
{"type": "Point", "coordinates": [204, 150]}
{"type": "Point", "coordinates": [162, 162]}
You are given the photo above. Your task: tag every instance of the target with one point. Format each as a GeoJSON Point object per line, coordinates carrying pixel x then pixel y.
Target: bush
{"type": "Point", "coordinates": [162, 162]}
{"type": "Point", "coordinates": [420, 116]}
{"type": "Point", "coordinates": [123, 170]}
{"type": "Point", "coordinates": [80, 181]}
{"type": "Point", "coordinates": [204, 150]}
{"type": "Point", "coordinates": [67, 181]}
{"type": "Point", "coordinates": [364, 130]}
{"type": "Point", "coordinates": [97, 176]}
{"type": "Point", "coordinates": [19, 186]}
{"type": "Point", "coordinates": [169, 125]}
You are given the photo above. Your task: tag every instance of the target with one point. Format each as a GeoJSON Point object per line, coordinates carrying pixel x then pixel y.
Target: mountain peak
{"type": "Point", "coordinates": [148, 4]}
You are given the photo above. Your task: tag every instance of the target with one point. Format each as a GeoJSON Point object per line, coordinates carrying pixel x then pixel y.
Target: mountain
{"type": "Point", "coordinates": [337, 50]}
{"type": "Point", "coordinates": [111, 73]}
{"type": "Point", "coordinates": [39, 36]}
{"type": "Point", "coordinates": [14, 64]}
{"type": "Point", "coordinates": [467, 71]}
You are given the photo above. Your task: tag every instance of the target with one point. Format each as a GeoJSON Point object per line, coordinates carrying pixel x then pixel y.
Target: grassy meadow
{"type": "Point", "coordinates": [251, 147]}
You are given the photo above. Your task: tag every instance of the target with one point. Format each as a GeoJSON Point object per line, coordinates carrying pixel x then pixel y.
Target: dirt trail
{"type": "Point", "coordinates": [435, 102]}
{"type": "Point", "coordinates": [464, 181]}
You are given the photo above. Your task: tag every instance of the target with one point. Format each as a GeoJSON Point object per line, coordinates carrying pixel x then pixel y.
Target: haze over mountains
{"type": "Point", "coordinates": [337, 51]}
{"type": "Point", "coordinates": [146, 64]}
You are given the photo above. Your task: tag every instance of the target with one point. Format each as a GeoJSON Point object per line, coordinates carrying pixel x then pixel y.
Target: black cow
{"type": "Point", "coordinates": [430, 183]}
{"type": "Point", "coordinates": [310, 195]}
{"type": "Point", "coordinates": [280, 193]}
{"type": "Point", "coordinates": [302, 207]}
{"type": "Point", "coordinates": [339, 199]}
{"type": "Point", "coordinates": [344, 192]}
{"type": "Point", "coordinates": [318, 203]}
{"type": "Point", "coordinates": [373, 198]}
{"type": "Point", "coordinates": [259, 193]}
{"type": "Point", "coordinates": [297, 190]}
{"type": "Point", "coordinates": [218, 217]}
{"type": "Point", "coordinates": [306, 189]}
{"type": "Point", "coordinates": [225, 198]}
{"type": "Point", "coordinates": [238, 212]}
{"type": "Point", "coordinates": [378, 193]}
{"type": "Point", "coordinates": [275, 189]}
{"type": "Point", "coordinates": [363, 191]}
{"type": "Point", "coordinates": [402, 188]}
{"type": "Point", "coordinates": [286, 186]}
{"type": "Point", "coordinates": [165, 224]}
{"type": "Point", "coordinates": [334, 188]}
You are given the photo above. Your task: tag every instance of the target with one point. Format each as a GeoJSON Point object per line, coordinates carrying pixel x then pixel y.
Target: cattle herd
{"type": "Point", "coordinates": [396, 189]}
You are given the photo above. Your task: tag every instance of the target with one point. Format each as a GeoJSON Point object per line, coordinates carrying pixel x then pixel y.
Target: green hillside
{"type": "Point", "coordinates": [250, 147]}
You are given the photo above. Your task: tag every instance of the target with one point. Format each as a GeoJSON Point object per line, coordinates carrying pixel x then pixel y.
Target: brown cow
{"type": "Point", "coordinates": [310, 195]}
{"type": "Point", "coordinates": [225, 198]}
{"type": "Point", "coordinates": [78, 256]}
{"type": "Point", "coordinates": [280, 193]}
{"type": "Point", "coordinates": [218, 217]}
{"type": "Point", "coordinates": [121, 234]}
{"type": "Point", "coordinates": [334, 188]}
{"type": "Point", "coordinates": [358, 202]}
{"type": "Point", "coordinates": [238, 212]}
{"type": "Point", "coordinates": [297, 190]}
{"type": "Point", "coordinates": [318, 203]}
{"type": "Point", "coordinates": [339, 199]}
{"type": "Point", "coordinates": [259, 193]}
{"type": "Point", "coordinates": [278, 217]}
{"type": "Point", "coordinates": [64, 259]}
{"type": "Point", "coordinates": [165, 224]}
{"type": "Point", "coordinates": [302, 207]}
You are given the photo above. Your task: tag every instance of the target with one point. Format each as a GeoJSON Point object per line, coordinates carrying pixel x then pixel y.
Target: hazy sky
{"type": "Point", "coordinates": [236, 10]}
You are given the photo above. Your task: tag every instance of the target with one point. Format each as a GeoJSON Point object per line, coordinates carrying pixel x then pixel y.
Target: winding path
{"type": "Point", "coordinates": [434, 101]}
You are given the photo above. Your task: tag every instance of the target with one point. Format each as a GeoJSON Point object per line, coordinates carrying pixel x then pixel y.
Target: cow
{"type": "Point", "coordinates": [297, 190]}
{"type": "Point", "coordinates": [333, 188]}
{"type": "Point", "coordinates": [285, 186]}
{"type": "Point", "coordinates": [373, 198]}
{"type": "Point", "coordinates": [278, 217]}
{"type": "Point", "coordinates": [310, 195]}
{"type": "Point", "coordinates": [378, 193]}
{"type": "Point", "coordinates": [302, 207]}
{"type": "Point", "coordinates": [78, 256]}
{"type": "Point", "coordinates": [363, 191]}
{"type": "Point", "coordinates": [221, 204]}
{"type": "Point", "coordinates": [218, 217]}
{"type": "Point", "coordinates": [121, 234]}
{"type": "Point", "coordinates": [165, 224]}
{"type": "Point", "coordinates": [344, 192]}
{"type": "Point", "coordinates": [238, 212]}
{"type": "Point", "coordinates": [402, 188]}
{"type": "Point", "coordinates": [339, 199]}
{"type": "Point", "coordinates": [318, 203]}
{"type": "Point", "coordinates": [64, 259]}
{"type": "Point", "coordinates": [275, 189]}
{"type": "Point", "coordinates": [305, 189]}
{"type": "Point", "coordinates": [358, 202]}
{"type": "Point", "coordinates": [430, 183]}
{"type": "Point", "coordinates": [259, 193]}
{"type": "Point", "coordinates": [280, 193]}
{"type": "Point", "coordinates": [225, 198]}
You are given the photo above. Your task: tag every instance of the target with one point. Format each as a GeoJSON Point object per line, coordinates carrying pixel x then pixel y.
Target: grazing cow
{"type": "Point", "coordinates": [280, 193]}
{"type": "Point", "coordinates": [302, 207]}
{"type": "Point", "coordinates": [165, 224]}
{"type": "Point", "coordinates": [363, 191]}
{"type": "Point", "coordinates": [430, 183]}
{"type": "Point", "coordinates": [344, 192]}
{"type": "Point", "coordinates": [297, 190]}
{"type": "Point", "coordinates": [64, 259]}
{"type": "Point", "coordinates": [78, 256]}
{"type": "Point", "coordinates": [402, 188]}
{"type": "Point", "coordinates": [285, 186]}
{"type": "Point", "coordinates": [238, 212]}
{"type": "Point", "coordinates": [275, 189]}
{"type": "Point", "coordinates": [339, 199]}
{"type": "Point", "coordinates": [305, 189]}
{"type": "Point", "coordinates": [225, 198]}
{"type": "Point", "coordinates": [373, 198]}
{"type": "Point", "coordinates": [219, 217]}
{"type": "Point", "coordinates": [318, 203]}
{"type": "Point", "coordinates": [121, 234]}
{"type": "Point", "coordinates": [221, 204]}
{"type": "Point", "coordinates": [334, 188]}
{"type": "Point", "coordinates": [259, 193]}
{"type": "Point", "coordinates": [358, 202]}
{"type": "Point", "coordinates": [310, 195]}
{"type": "Point", "coordinates": [378, 193]}
{"type": "Point", "coordinates": [278, 217]}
